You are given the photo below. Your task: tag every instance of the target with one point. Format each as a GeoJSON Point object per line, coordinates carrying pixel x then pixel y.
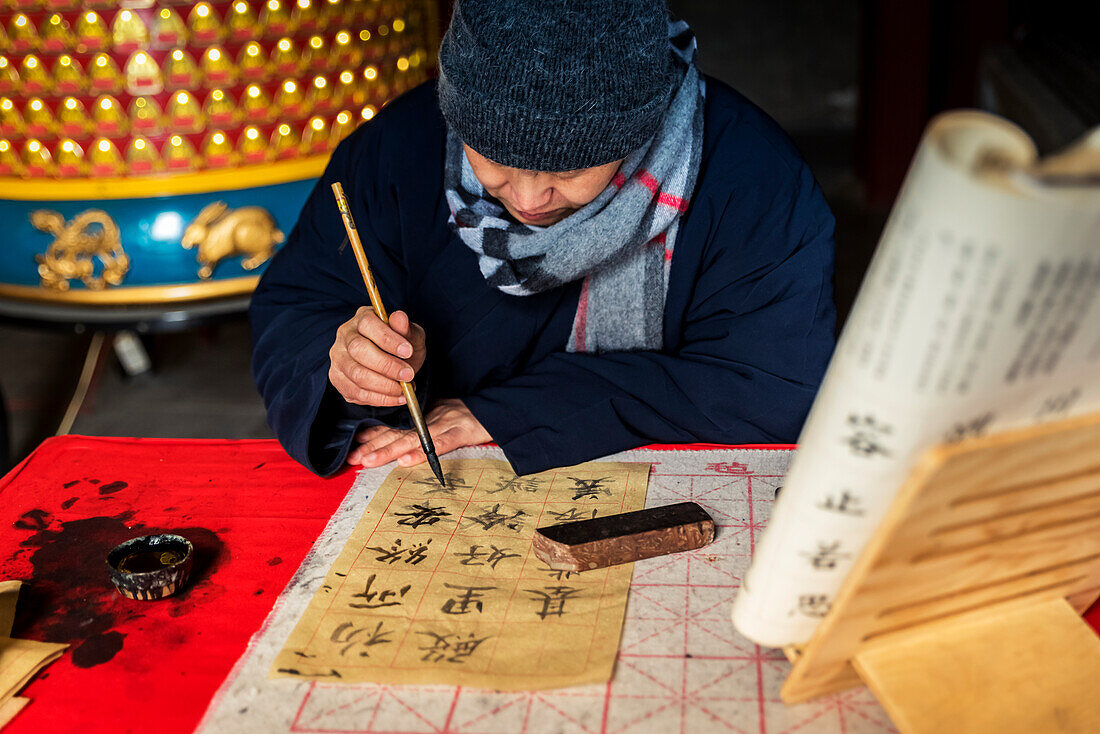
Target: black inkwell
{"type": "Point", "coordinates": [152, 566]}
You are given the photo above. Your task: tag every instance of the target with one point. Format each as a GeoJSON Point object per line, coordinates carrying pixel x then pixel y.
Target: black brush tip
{"type": "Point", "coordinates": [433, 462]}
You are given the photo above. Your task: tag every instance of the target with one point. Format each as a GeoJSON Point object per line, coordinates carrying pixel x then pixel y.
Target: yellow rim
{"type": "Point", "coordinates": [137, 294]}
{"type": "Point", "coordinates": [143, 187]}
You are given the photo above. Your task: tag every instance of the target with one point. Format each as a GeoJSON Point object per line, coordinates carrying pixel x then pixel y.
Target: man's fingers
{"type": "Point", "coordinates": [370, 440]}
{"type": "Point", "coordinates": [414, 333]}
{"type": "Point", "coordinates": [378, 391]}
{"type": "Point", "coordinates": [368, 359]}
{"type": "Point", "coordinates": [355, 456]}
{"type": "Point", "coordinates": [444, 438]}
{"type": "Point", "coordinates": [451, 424]}
{"type": "Point", "coordinates": [414, 457]}
{"type": "Point", "coordinates": [407, 450]}
{"type": "Point", "coordinates": [382, 440]}
{"type": "Point", "coordinates": [405, 443]}
{"type": "Point", "coordinates": [353, 393]}
{"type": "Point", "coordinates": [367, 354]}
{"type": "Point", "coordinates": [452, 438]}
{"type": "Point", "coordinates": [369, 376]}
{"type": "Point", "coordinates": [399, 322]}
{"type": "Point", "coordinates": [376, 330]}
{"type": "Point", "coordinates": [364, 379]}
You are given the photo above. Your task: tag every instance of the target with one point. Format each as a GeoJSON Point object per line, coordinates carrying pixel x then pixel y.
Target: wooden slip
{"type": "Point", "coordinates": [9, 597]}
{"type": "Point", "coordinates": [10, 708]}
{"type": "Point", "coordinates": [964, 608]}
{"type": "Point", "coordinates": [20, 660]}
{"type": "Point", "coordinates": [631, 536]}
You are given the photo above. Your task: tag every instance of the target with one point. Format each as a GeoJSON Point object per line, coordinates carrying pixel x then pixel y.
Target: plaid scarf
{"type": "Point", "coordinates": [621, 243]}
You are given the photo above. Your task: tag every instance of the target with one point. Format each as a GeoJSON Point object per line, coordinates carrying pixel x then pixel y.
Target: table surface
{"type": "Point", "coordinates": [252, 514]}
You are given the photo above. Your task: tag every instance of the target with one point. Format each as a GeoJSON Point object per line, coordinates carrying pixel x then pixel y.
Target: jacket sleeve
{"type": "Point", "coordinates": [310, 288]}
{"type": "Point", "coordinates": [756, 336]}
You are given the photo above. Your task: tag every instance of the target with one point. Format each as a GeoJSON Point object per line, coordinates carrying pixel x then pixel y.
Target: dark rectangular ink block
{"type": "Point", "coordinates": [631, 536]}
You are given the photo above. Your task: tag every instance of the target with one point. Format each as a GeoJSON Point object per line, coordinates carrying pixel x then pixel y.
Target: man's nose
{"type": "Point", "coordinates": [530, 192]}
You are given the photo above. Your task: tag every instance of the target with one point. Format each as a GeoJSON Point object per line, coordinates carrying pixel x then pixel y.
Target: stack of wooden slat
{"type": "Point", "coordinates": [20, 660]}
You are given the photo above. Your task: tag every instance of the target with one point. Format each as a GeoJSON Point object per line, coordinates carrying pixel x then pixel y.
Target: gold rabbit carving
{"type": "Point", "coordinates": [220, 232]}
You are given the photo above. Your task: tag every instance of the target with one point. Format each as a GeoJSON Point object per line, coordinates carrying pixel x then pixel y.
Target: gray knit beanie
{"type": "Point", "coordinates": [555, 85]}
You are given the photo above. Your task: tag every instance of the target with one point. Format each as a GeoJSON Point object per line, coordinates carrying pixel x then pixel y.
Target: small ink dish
{"type": "Point", "coordinates": [152, 566]}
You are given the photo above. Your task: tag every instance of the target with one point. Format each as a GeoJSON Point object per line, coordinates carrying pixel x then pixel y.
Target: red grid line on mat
{"type": "Point", "coordinates": [759, 663]}
{"type": "Point", "coordinates": [620, 710]}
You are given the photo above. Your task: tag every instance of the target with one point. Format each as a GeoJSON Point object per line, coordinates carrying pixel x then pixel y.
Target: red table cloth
{"type": "Point", "coordinates": [252, 514]}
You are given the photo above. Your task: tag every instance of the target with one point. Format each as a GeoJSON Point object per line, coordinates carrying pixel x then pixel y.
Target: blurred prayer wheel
{"type": "Point", "coordinates": [158, 151]}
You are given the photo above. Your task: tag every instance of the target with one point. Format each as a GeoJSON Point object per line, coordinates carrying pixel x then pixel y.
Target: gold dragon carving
{"type": "Point", "coordinates": [91, 235]}
{"type": "Point", "coordinates": [220, 232]}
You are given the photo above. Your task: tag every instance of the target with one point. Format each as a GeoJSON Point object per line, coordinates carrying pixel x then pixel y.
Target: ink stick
{"type": "Point", "coordinates": [631, 536]}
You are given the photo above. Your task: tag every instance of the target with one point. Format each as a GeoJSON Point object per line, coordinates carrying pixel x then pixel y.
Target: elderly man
{"type": "Point", "coordinates": [587, 245]}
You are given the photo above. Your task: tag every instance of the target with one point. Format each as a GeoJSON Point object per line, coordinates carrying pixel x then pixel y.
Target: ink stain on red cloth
{"type": "Point", "coordinates": [32, 520]}
{"type": "Point", "coordinates": [69, 597]}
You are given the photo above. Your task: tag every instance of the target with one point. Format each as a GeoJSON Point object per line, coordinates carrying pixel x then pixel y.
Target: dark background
{"type": "Point", "coordinates": [853, 83]}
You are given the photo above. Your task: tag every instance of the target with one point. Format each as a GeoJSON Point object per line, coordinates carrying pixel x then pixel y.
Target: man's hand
{"type": "Point", "coordinates": [368, 358]}
{"type": "Point", "coordinates": [450, 423]}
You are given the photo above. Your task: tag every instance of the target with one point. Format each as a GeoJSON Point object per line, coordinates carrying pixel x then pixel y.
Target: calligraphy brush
{"type": "Point", "coordinates": [376, 303]}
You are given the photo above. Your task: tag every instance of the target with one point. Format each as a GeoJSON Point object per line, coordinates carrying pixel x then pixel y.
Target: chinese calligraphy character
{"type": "Point", "coordinates": [552, 599]}
{"type": "Point", "coordinates": [470, 598]}
{"type": "Point", "coordinates": [1036, 286]}
{"type": "Point", "coordinates": [517, 484]}
{"type": "Point", "coordinates": [971, 428]}
{"type": "Point", "coordinates": [491, 518]}
{"type": "Point", "coordinates": [346, 634]}
{"type": "Point", "coordinates": [729, 468]}
{"type": "Point", "coordinates": [589, 488]}
{"type": "Point", "coordinates": [867, 437]}
{"type": "Point", "coordinates": [432, 486]}
{"type": "Point", "coordinates": [473, 556]}
{"type": "Point", "coordinates": [412, 554]}
{"type": "Point", "coordinates": [455, 650]}
{"type": "Point", "coordinates": [826, 556]}
{"type": "Point", "coordinates": [848, 504]}
{"type": "Point", "coordinates": [1058, 404]}
{"type": "Point", "coordinates": [571, 515]}
{"type": "Point", "coordinates": [557, 573]}
{"type": "Point", "coordinates": [814, 605]}
{"type": "Point", "coordinates": [377, 599]}
{"type": "Point", "coordinates": [418, 515]}
{"type": "Point", "coordinates": [333, 673]}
